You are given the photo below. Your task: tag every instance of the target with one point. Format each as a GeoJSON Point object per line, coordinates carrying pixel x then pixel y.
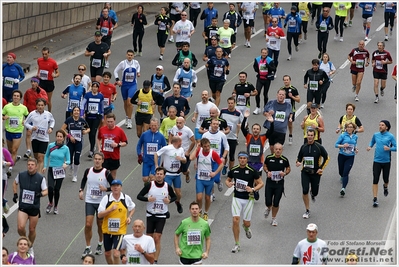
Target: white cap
{"type": "Point", "coordinates": [312, 227]}
{"type": "Point", "coordinates": [159, 67]}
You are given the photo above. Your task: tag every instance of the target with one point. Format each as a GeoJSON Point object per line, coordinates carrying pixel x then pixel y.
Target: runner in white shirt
{"type": "Point", "coordinates": [183, 30]}
{"type": "Point", "coordinates": [311, 250]}
{"type": "Point", "coordinates": [41, 123]}
{"type": "Point", "coordinates": [188, 142]}
{"type": "Point", "coordinates": [172, 157]}
{"type": "Point", "coordinates": [138, 248]}
{"type": "Point", "coordinates": [201, 113]}
{"type": "Point", "coordinates": [248, 16]}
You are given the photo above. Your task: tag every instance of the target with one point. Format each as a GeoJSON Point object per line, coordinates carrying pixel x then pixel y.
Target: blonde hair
{"type": "Point", "coordinates": [24, 238]}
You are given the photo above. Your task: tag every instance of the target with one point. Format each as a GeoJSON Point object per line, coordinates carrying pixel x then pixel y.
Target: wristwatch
{"type": "Point", "coordinates": [144, 252]}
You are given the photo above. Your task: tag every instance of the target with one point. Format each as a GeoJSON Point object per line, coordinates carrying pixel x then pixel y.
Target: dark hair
{"type": "Point", "coordinates": [204, 141]}
{"type": "Point", "coordinates": [60, 131]}
{"type": "Point", "coordinates": [74, 76]}
{"type": "Point", "coordinates": [315, 61]}
{"type": "Point", "coordinates": [243, 72]}
{"type": "Point", "coordinates": [232, 4]}
{"type": "Point", "coordinates": [231, 98]}
{"type": "Point", "coordinates": [41, 100]}
{"type": "Point", "coordinates": [310, 130]}
{"type": "Point", "coordinates": [4, 248]}
{"type": "Point", "coordinates": [176, 84]}
{"type": "Point", "coordinates": [350, 105]}
{"type": "Point", "coordinates": [160, 168]}
{"type": "Point", "coordinates": [287, 76]}
{"type": "Point", "coordinates": [107, 73]}
{"type": "Point", "coordinates": [193, 204]}
{"type": "Point", "coordinates": [46, 49]}
{"type": "Point", "coordinates": [95, 83]}
{"type": "Point", "coordinates": [256, 124]}
{"type": "Point", "coordinates": [142, 8]}
{"type": "Point", "coordinates": [130, 51]}
{"type": "Point", "coordinates": [90, 256]}
{"type": "Point", "coordinates": [18, 91]}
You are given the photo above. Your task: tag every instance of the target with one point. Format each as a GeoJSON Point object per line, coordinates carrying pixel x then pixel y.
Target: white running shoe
{"type": "Point", "coordinates": [306, 215]}
{"type": "Point", "coordinates": [336, 37]}
{"type": "Point", "coordinates": [341, 39]}
{"type": "Point", "coordinates": [256, 111]}
{"type": "Point", "coordinates": [129, 124]}
{"type": "Point", "coordinates": [236, 248]}
{"type": "Point", "coordinates": [356, 98]}
{"type": "Point", "coordinates": [75, 179]}
{"type": "Point", "coordinates": [289, 57]}
{"type": "Point", "coordinates": [273, 222]}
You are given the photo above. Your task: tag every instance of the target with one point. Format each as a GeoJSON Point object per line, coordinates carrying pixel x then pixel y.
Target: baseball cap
{"type": "Point", "coordinates": [146, 84]}
{"type": "Point", "coordinates": [119, 182]}
{"type": "Point", "coordinates": [312, 227]}
{"type": "Point", "coordinates": [314, 105]}
{"type": "Point", "coordinates": [159, 67]}
{"type": "Point", "coordinates": [97, 33]}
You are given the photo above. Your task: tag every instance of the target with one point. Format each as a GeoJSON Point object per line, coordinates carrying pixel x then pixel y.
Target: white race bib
{"type": "Point", "coordinates": [28, 196]}
{"type": "Point", "coordinates": [95, 192]}
{"type": "Point", "coordinates": [241, 185]}
{"type": "Point", "coordinates": [194, 237]}
{"type": "Point", "coordinates": [43, 74]}
{"type": "Point", "coordinates": [8, 82]}
{"type": "Point", "coordinates": [152, 148]}
{"type": "Point", "coordinates": [254, 150]}
{"type": "Point", "coordinates": [58, 172]}
{"type": "Point", "coordinates": [313, 85]}
{"type": "Point", "coordinates": [108, 145]}
{"type": "Point", "coordinates": [14, 122]}
{"type": "Point", "coordinates": [276, 176]}
{"type": "Point", "coordinates": [77, 134]}
{"type": "Point", "coordinates": [96, 63]}
{"type": "Point", "coordinates": [204, 175]}
{"type": "Point", "coordinates": [144, 106]}
{"type": "Point", "coordinates": [241, 100]}
{"type": "Point", "coordinates": [114, 224]}
{"type": "Point", "coordinates": [280, 116]}
{"type": "Point", "coordinates": [129, 77]}
{"type": "Point", "coordinates": [73, 103]}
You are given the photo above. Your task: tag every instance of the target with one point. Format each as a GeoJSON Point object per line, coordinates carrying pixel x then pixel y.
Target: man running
{"type": "Point", "coordinates": [379, 60]}
{"type": "Point", "coordinates": [359, 58]}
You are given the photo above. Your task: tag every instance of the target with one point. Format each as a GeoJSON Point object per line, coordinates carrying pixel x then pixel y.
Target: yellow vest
{"type": "Point", "coordinates": [308, 123]}
{"type": "Point", "coordinates": [115, 222]}
{"type": "Point", "coordinates": [345, 120]}
{"type": "Point", "coordinates": [303, 10]}
{"type": "Point", "coordinates": [145, 99]}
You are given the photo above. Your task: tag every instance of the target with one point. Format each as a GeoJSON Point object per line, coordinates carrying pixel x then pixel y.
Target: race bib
{"type": "Point", "coordinates": [241, 185]}
{"type": "Point", "coordinates": [129, 77]}
{"type": "Point", "coordinates": [323, 26]}
{"type": "Point", "coordinates": [225, 40]}
{"type": "Point", "coordinates": [95, 192]}
{"type": "Point", "coordinates": [194, 237]}
{"type": "Point", "coordinates": [152, 148]}
{"type": "Point", "coordinates": [77, 134]}
{"type": "Point", "coordinates": [276, 176]}
{"type": "Point", "coordinates": [162, 26]}
{"type": "Point", "coordinates": [254, 150]}
{"type": "Point", "coordinates": [41, 131]}
{"type": "Point", "coordinates": [204, 175]}
{"type": "Point", "coordinates": [106, 102]}
{"type": "Point", "coordinates": [104, 31]}
{"type": "Point", "coordinates": [157, 87]}
{"type": "Point", "coordinates": [280, 116]}
{"type": "Point", "coordinates": [28, 196]}
{"type": "Point", "coordinates": [218, 71]}
{"type": "Point", "coordinates": [185, 83]}
{"type": "Point", "coordinates": [184, 32]}
{"type": "Point", "coordinates": [73, 103]}
{"type": "Point", "coordinates": [14, 122]}
{"type": "Point", "coordinates": [308, 162]}
{"type": "Point", "coordinates": [302, 13]}
{"type": "Point", "coordinates": [174, 165]}
{"type": "Point", "coordinates": [215, 146]}
{"type": "Point", "coordinates": [114, 224]}
{"type": "Point", "coordinates": [202, 118]}
{"type": "Point", "coordinates": [96, 63]}
{"type": "Point", "coordinates": [108, 145]}
{"type": "Point", "coordinates": [313, 85]}
{"type": "Point", "coordinates": [350, 149]}
{"type": "Point", "coordinates": [359, 63]}
{"type": "Point", "coordinates": [158, 207]}
{"type": "Point", "coordinates": [144, 106]}
{"type": "Point", "coordinates": [292, 23]}
{"type": "Point", "coordinates": [8, 82]}
{"type": "Point", "coordinates": [341, 7]}
{"type": "Point", "coordinates": [43, 74]}
{"type": "Point", "coordinates": [58, 172]}
{"type": "Point", "coordinates": [133, 258]}
{"type": "Point", "coordinates": [241, 100]}
{"type": "Point", "coordinates": [378, 64]}
{"type": "Point", "coordinates": [93, 108]}
{"type": "Point", "coordinates": [368, 8]}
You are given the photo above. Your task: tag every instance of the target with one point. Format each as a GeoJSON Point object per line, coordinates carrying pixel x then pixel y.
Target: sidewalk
{"type": "Point", "coordinates": [69, 42]}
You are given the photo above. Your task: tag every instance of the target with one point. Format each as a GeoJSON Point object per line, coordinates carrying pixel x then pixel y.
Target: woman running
{"type": "Point", "coordinates": [57, 159]}
{"type": "Point", "coordinates": [93, 108]}
{"type": "Point", "coordinates": [74, 128]}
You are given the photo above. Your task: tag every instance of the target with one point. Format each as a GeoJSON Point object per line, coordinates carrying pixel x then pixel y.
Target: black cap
{"type": "Point", "coordinates": [314, 105]}
{"type": "Point", "coordinates": [387, 124]}
{"type": "Point", "coordinates": [294, 8]}
{"type": "Point", "coordinates": [146, 84]}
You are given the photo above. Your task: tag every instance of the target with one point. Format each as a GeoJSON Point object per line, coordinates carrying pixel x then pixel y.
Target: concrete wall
{"type": "Point", "coordinates": [24, 23]}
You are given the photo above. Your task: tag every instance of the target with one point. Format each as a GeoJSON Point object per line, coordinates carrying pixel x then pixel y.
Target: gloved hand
{"type": "Point", "coordinates": [15, 198]}
{"type": "Point", "coordinates": [227, 72]}
{"type": "Point", "coordinates": [285, 25]}
{"type": "Point", "coordinates": [140, 159]}
{"type": "Point", "coordinates": [180, 80]}
{"type": "Point", "coordinates": [16, 80]}
{"type": "Point", "coordinates": [194, 84]}
{"type": "Point", "coordinates": [39, 194]}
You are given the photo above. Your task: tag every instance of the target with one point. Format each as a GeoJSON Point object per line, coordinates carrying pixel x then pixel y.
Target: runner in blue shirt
{"type": "Point", "coordinates": [75, 93]}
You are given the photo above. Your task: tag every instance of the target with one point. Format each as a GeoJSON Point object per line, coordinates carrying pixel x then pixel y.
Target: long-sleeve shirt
{"type": "Point", "coordinates": [137, 25]}
{"type": "Point", "coordinates": [351, 140]}
{"type": "Point", "coordinates": [12, 75]}
{"type": "Point", "coordinates": [381, 139]}
{"type": "Point", "coordinates": [6, 158]}
{"type": "Point", "coordinates": [31, 95]}
{"type": "Point", "coordinates": [43, 121]}
{"type": "Point", "coordinates": [149, 143]}
{"type": "Point", "coordinates": [55, 157]}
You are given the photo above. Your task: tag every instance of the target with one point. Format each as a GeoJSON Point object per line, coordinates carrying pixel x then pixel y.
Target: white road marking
{"type": "Point", "coordinates": [380, 27]}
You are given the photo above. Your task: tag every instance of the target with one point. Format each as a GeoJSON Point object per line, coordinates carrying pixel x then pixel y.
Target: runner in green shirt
{"type": "Point", "coordinates": [190, 236]}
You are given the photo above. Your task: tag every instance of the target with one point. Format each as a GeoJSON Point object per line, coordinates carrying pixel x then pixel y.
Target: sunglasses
{"type": "Point", "coordinates": [81, 69]}
{"type": "Point", "coordinates": [183, 15]}
{"type": "Point", "coordinates": [325, 10]}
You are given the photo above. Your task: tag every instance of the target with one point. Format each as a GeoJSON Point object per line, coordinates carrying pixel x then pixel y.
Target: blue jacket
{"type": "Point", "coordinates": [380, 140]}
{"type": "Point", "coordinates": [345, 138]}
{"type": "Point", "coordinates": [368, 7]}
{"type": "Point", "coordinates": [57, 156]}
{"type": "Point", "coordinates": [207, 15]}
{"type": "Point", "coordinates": [11, 72]}
{"type": "Point", "coordinates": [294, 23]}
{"type": "Point", "coordinates": [149, 137]}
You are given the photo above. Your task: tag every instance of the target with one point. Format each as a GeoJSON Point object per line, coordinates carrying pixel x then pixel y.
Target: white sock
{"type": "Point", "coordinates": [75, 170]}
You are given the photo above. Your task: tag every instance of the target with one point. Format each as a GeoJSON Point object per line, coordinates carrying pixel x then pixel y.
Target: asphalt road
{"type": "Point", "coordinates": [60, 238]}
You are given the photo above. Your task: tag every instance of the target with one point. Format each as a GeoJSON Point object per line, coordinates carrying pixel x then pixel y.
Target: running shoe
{"type": "Point", "coordinates": [224, 170]}
{"type": "Point", "coordinates": [256, 111]}
{"type": "Point", "coordinates": [386, 38]}
{"type": "Point", "coordinates": [313, 197]}
{"type": "Point", "coordinates": [382, 91]}
{"type": "Point", "coordinates": [248, 45]}
{"type": "Point", "coordinates": [289, 57]}
{"type": "Point", "coordinates": [99, 249]}
{"type": "Point", "coordinates": [376, 100]}
{"type": "Point", "coordinates": [336, 37]}
{"type": "Point", "coordinates": [322, 105]}
{"type": "Point", "coordinates": [375, 202]}
{"type": "Point", "coordinates": [356, 98]}
{"type": "Point", "coordinates": [253, 30]}
{"type": "Point", "coordinates": [188, 178]}
{"type": "Point", "coordinates": [341, 39]}
{"type": "Point", "coordinates": [49, 208]}
{"type": "Point", "coordinates": [91, 153]}
{"type": "Point", "coordinates": [31, 252]}
{"type": "Point", "coordinates": [27, 154]}
{"type": "Point", "coordinates": [342, 192]}
{"type": "Point", "coordinates": [129, 124]}
{"type": "Point", "coordinates": [290, 139]}
{"type": "Point", "coordinates": [6, 208]}
{"type": "Point", "coordinates": [213, 198]}
{"type": "Point", "coordinates": [267, 212]}
{"type": "Point", "coordinates": [350, 23]}
{"type": "Point", "coordinates": [140, 54]}
{"type": "Point", "coordinates": [354, 88]}
{"type": "Point", "coordinates": [319, 56]}
{"type": "Point", "coordinates": [55, 210]}
{"type": "Point", "coordinates": [345, 25]}
{"type": "Point", "coordinates": [273, 222]}
{"type": "Point", "coordinates": [236, 248]}
{"type": "Point", "coordinates": [106, 65]}
{"type": "Point", "coordinates": [248, 232]}
{"type": "Point", "coordinates": [366, 38]}
{"type": "Point", "coordinates": [75, 179]}
{"type": "Point", "coordinates": [205, 217]}
{"type": "Point", "coordinates": [220, 186]}
{"type": "Point", "coordinates": [179, 207]}
{"type": "Point", "coordinates": [9, 173]}
{"type": "Point", "coordinates": [170, 40]}
{"type": "Point", "coordinates": [160, 57]}
{"type": "Point", "coordinates": [385, 191]}
{"type": "Point", "coordinates": [18, 158]}
{"type": "Point", "coordinates": [306, 215]}
{"type": "Point", "coordinates": [297, 48]}
{"type": "Point", "coordinates": [86, 252]}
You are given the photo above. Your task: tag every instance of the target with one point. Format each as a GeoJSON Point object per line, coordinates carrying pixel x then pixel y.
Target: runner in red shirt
{"type": "Point", "coordinates": [47, 70]}
{"type": "Point", "coordinates": [109, 139]}
{"type": "Point", "coordinates": [109, 92]}
{"type": "Point", "coordinates": [359, 58]}
{"type": "Point", "coordinates": [380, 60]}
{"type": "Point", "coordinates": [394, 76]}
